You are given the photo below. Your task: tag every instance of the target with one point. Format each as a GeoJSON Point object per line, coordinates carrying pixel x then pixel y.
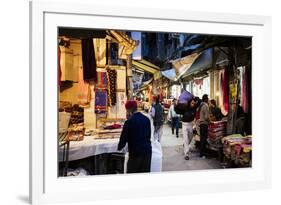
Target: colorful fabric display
{"type": "Point", "coordinates": [100, 101]}
{"type": "Point", "coordinates": [112, 77]}
{"type": "Point", "coordinates": [89, 61]}
{"type": "Point", "coordinates": [238, 149]}
{"type": "Point", "coordinates": [216, 134]}
{"type": "Point", "coordinates": [217, 129]}
{"type": "Point", "coordinates": [102, 82]}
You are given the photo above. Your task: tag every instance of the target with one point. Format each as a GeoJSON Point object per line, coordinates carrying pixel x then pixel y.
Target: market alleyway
{"type": "Point", "coordinates": [173, 158]}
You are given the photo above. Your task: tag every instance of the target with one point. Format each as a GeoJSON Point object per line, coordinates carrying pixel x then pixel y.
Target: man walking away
{"type": "Point", "coordinates": [175, 118]}
{"type": "Point", "coordinates": [137, 133]}
{"type": "Point", "coordinates": [204, 122]}
{"type": "Point", "coordinates": [157, 114]}
{"type": "Point", "coordinates": [188, 112]}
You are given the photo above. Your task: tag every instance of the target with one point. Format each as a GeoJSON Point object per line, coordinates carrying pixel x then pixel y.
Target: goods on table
{"type": "Point", "coordinates": [76, 132]}
{"type": "Point", "coordinates": [107, 134]}
{"type": "Point", "coordinates": [238, 149]}
{"type": "Point", "coordinates": [216, 130]}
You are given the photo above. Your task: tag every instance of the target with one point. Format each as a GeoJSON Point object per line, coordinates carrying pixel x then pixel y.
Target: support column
{"type": "Point", "coordinates": [129, 78]}
{"type": "Point", "coordinates": [212, 85]}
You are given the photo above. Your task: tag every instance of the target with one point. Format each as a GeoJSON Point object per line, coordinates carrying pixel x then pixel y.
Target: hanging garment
{"type": "Point", "coordinates": [100, 101]}
{"type": "Point", "coordinates": [84, 92]}
{"type": "Point", "coordinates": [245, 90]}
{"type": "Point", "coordinates": [100, 51]}
{"type": "Point", "coordinates": [225, 91]}
{"type": "Point", "coordinates": [102, 82]}
{"type": "Point", "coordinates": [88, 58]}
{"type": "Point", "coordinates": [59, 66]}
{"type": "Point", "coordinates": [112, 77]}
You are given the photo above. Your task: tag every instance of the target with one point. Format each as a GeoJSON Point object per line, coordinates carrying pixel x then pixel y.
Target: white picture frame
{"type": "Point", "coordinates": [45, 186]}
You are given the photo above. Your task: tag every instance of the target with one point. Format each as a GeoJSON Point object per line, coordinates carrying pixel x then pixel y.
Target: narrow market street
{"type": "Point", "coordinates": [115, 86]}
{"type": "Point", "coordinates": [173, 158]}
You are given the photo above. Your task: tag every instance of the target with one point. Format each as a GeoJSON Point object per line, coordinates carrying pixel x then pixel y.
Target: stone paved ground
{"type": "Point", "coordinates": [173, 158]}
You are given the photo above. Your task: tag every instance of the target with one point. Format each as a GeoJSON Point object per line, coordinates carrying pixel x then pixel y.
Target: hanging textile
{"type": "Point", "coordinates": [244, 102]}
{"type": "Point", "coordinates": [121, 80]}
{"type": "Point", "coordinates": [59, 66]}
{"type": "Point", "coordinates": [88, 58]}
{"type": "Point", "coordinates": [226, 91]}
{"type": "Point", "coordinates": [112, 77]}
{"type": "Point", "coordinates": [100, 101]}
{"type": "Point", "coordinates": [224, 98]}
{"type": "Point", "coordinates": [219, 92]}
{"type": "Point", "coordinates": [102, 82]}
{"type": "Point", "coordinates": [100, 51]}
{"type": "Point", "coordinates": [84, 92]}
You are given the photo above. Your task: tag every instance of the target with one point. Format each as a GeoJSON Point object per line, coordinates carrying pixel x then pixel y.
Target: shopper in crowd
{"type": "Point", "coordinates": [136, 133]}
{"type": "Point", "coordinates": [204, 122]}
{"type": "Point", "coordinates": [188, 112]}
{"type": "Point", "coordinates": [146, 105]}
{"type": "Point", "coordinates": [174, 117]}
{"type": "Point", "coordinates": [215, 112]}
{"type": "Point", "coordinates": [157, 113]}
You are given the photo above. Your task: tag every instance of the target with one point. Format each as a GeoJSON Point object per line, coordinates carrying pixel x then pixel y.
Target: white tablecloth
{"type": "Point", "coordinates": [89, 147]}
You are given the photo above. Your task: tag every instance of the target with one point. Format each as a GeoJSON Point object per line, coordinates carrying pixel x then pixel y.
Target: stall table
{"type": "Point", "coordinates": [91, 147]}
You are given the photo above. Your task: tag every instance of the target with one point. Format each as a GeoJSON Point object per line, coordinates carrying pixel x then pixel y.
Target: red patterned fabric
{"type": "Point", "coordinates": [225, 90]}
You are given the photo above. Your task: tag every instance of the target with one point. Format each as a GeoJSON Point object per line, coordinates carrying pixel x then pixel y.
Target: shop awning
{"type": "Point", "coordinates": [202, 63]}
{"type": "Point", "coordinates": [125, 41]}
{"type": "Point", "coordinates": [147, 67]}
{"type": "Point", "coordinates": [180, 67]}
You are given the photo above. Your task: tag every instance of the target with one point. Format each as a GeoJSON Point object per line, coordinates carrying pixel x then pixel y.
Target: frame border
{"type": "Point", "coordinates": [36, 96]}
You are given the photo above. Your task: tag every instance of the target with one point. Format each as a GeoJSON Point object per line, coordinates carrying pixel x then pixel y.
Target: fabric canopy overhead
{"type": "Point", "coordinates": [180, 67]}
{"type": "Point", "coordinates": [203, 62]}
{"type": "Point", "coordinates": [147, 67]}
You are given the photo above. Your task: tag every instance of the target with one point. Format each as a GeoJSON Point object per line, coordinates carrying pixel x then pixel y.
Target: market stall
{"type": "Point", "coordinates": [95, 81]}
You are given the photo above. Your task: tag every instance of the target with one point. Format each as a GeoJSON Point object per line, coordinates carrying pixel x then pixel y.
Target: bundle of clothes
{"type": "Point", "coordinates": [238, 149]}
{"type": "Point", "coordinates": [75, 128]}
{"type": "Point", "coordinates": [216, 130]}
{"type": "Point", "coordinates": [76, 132]}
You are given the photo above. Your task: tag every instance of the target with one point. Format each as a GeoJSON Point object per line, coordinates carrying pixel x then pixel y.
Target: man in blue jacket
{"type": "Point", "coordinates": [137, 133]}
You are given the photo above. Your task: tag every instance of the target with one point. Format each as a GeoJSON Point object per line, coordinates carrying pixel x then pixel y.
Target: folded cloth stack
{"type": "Point", "coordinates": [238, 148]}
{"type": "Point", "coordinates": [217, 129]}
{"type": "Point", "coordinates": [114, 126]}
{"type": "Point", "coordinates": [76, 132]}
